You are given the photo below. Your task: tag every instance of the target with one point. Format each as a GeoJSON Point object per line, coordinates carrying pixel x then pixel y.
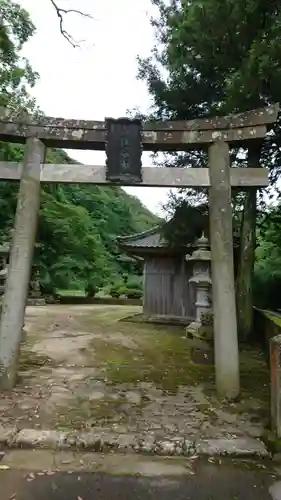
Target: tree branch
{"type": "Point", "coordinates": [60, 13]}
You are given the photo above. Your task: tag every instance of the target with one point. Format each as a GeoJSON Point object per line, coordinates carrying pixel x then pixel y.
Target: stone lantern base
{"type": "Point", "coordinates": [199, 331]}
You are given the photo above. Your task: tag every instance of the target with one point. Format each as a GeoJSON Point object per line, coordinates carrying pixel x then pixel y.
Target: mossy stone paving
{"type": "Point", "coordinates": [83, 367]}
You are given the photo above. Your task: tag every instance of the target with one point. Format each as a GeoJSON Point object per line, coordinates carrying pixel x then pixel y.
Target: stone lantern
{"type": "Point", "coordinates": [201, 278]}
{"type": "Point", "coordinates": [34, 293]}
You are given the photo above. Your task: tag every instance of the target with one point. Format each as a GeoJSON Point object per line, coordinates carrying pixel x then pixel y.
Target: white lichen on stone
{"type": "Point", "coordinates": [150, 136]}
{"type": "Point", "coordinates": [216, 135]}
{"type": "Point", "coordinates": [167, 136]}
{"type": "Point", "coordinates": [78, 134]}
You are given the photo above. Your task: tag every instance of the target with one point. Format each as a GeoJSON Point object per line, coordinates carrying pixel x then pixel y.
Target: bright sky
{"type": "Point", "coordinates": [99, 78]}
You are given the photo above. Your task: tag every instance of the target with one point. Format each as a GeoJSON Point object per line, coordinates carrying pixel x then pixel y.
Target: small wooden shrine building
{"type": "Point", "coordinates": [167, 291]}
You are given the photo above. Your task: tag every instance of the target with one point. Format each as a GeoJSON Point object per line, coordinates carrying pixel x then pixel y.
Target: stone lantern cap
{"type": "Point", "coordinates": [201, 279]}
{"type": "Point", "coordinates": [202, 253]}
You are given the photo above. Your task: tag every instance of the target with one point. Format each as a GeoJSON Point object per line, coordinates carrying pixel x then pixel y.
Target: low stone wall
{"type": "Point", "coordinates": [269, 325]}
{"type": "Point", "coordinates": [68, 299]}
{"type": "Point", "coordinates": [36, 301]}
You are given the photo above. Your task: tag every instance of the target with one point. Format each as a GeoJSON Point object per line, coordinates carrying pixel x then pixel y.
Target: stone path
{"type": "Point", "coordinates": [85, 371]}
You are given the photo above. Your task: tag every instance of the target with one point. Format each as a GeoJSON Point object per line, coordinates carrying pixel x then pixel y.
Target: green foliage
{"type": "Point", "coordinates": [133, 293]}
{"type": "Point", "coordinates": [133, 288]}
{"type": "Point", "coordinates": [187, 223]}
{"type": "Point", "coordinates": [77, 230]}
{"type": "Point", "coordinates": [16, 74]}
{"type": "Point", "coordinates": [267, 279]}
{"type": "Point", "coordinates": [134, 282]}
{"type": "Point", "coordinates": [91, 289]}
{"type": "Point", "coordinates": [225, 51]}
{"type": "Point", "coordinates": [212, 58]}
{"type": "Point", "coordinates": [116, 290]}
{"type": "Point", "coordinates": [78, 225]}
{"type": "Point", "coordinates": [215, 57]}
{"type": "Point", "coordinates": [123, 283]}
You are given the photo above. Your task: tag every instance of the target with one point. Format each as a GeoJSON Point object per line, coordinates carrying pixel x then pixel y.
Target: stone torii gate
{"type": "Point", "coordinates": [216, 135]}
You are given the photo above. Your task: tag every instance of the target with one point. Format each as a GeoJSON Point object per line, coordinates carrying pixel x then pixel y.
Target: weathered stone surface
{"type": "Point", "coordinates": [249, 118]}
{"type": "Point", "coordinates": [96, 396]}
{"type": "Point", "coordinates": [180, 444]}
{"type": "Point", "coordinates": [223, 289]}
{"type": "Point", "coordinates": [275, 384]}
{"type": "Point", "coordinates": [87, 440]}
{"type": "Point", "coordinates": [169, 447]}
{"type": "Point", "coordinates": [31, 438]}
{"type": "Point", "coordinates": [107, 442]}
{"type": "Point", "coordinates": [7, 435]}
{"type": "Point", "coordinates": [165, 447]}
{"type": "Point", "coordinates": [127, 442]}
{"type": "Point", "coordinates": [193, 330]}
{"type": "Point", "coordinates": [233, 446]}
{"type": "Point", "coordinates": [188, 447]}
{"type": "Point", "coordinates": [146, 445]}
{"type": "Point", "coordinates": [58, 392]}
{"type": "Point", "coordinates": [102, 442]}
{"type": "Point", "coordinates": [58, 132]}
{"type": "Point", "coordinates": [151, 176]}
{"type": "Point", "coordinates": [258, 116]}
{"type": "Point", "coordinates": [275, 491]}
{"type": "Point", "coordinates": [16, 286]}
{"type": "Point", "coordinates": [29, 459]}
{"type": "Point", "coordinates": [133, 397]}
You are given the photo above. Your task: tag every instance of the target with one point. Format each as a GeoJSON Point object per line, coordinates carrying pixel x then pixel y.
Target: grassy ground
{"type": "Point", "coordinates": [163, 356]}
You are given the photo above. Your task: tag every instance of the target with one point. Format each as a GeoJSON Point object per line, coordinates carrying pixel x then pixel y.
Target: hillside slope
{"type": "Point", "coordinates": [78, 226]}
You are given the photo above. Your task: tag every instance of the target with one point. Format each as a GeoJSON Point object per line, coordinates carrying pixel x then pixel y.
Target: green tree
{"type": "Point", "coordinates": [78, 225]}
{"type": "Point", "coordinates": [78, 229]}
{"type": "Point", "coordinates": [215, 57]}
{"type": "Point", "coordinates": [16, 74]}
{"type": "Point", "coordinates": [267, 279]}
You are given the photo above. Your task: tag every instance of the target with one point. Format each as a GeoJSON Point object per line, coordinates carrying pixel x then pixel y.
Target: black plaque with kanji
{"type": "Point", "coordinates": [123, 150]}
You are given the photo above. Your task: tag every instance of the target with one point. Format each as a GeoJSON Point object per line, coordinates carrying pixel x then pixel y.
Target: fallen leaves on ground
{"type": "Point", "coordinates": [30, 477]}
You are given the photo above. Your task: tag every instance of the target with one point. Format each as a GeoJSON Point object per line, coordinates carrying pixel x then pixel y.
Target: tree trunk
{"type": "Point", "coordinates": [244, 282]}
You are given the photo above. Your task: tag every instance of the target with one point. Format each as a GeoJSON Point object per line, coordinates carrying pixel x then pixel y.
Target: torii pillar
{"type": "Point", "coordinates": [223, 284]}
{"type": "Point", "coordinates": [16, 289]}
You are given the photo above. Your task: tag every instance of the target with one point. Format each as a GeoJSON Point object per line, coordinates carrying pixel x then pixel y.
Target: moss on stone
{"type": "Point", "coordinates": [125, 354]}
{"type": "Point", "coordinates": [30, 359]}
{"type": "Point", "coordinates": [275, 318]}
{"type": "Point", "coordinates": [162, 358]}
{"type": "Point", "coordinates": [272, 443]}
{"type": "Point", "coordinates": [82, 412]}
